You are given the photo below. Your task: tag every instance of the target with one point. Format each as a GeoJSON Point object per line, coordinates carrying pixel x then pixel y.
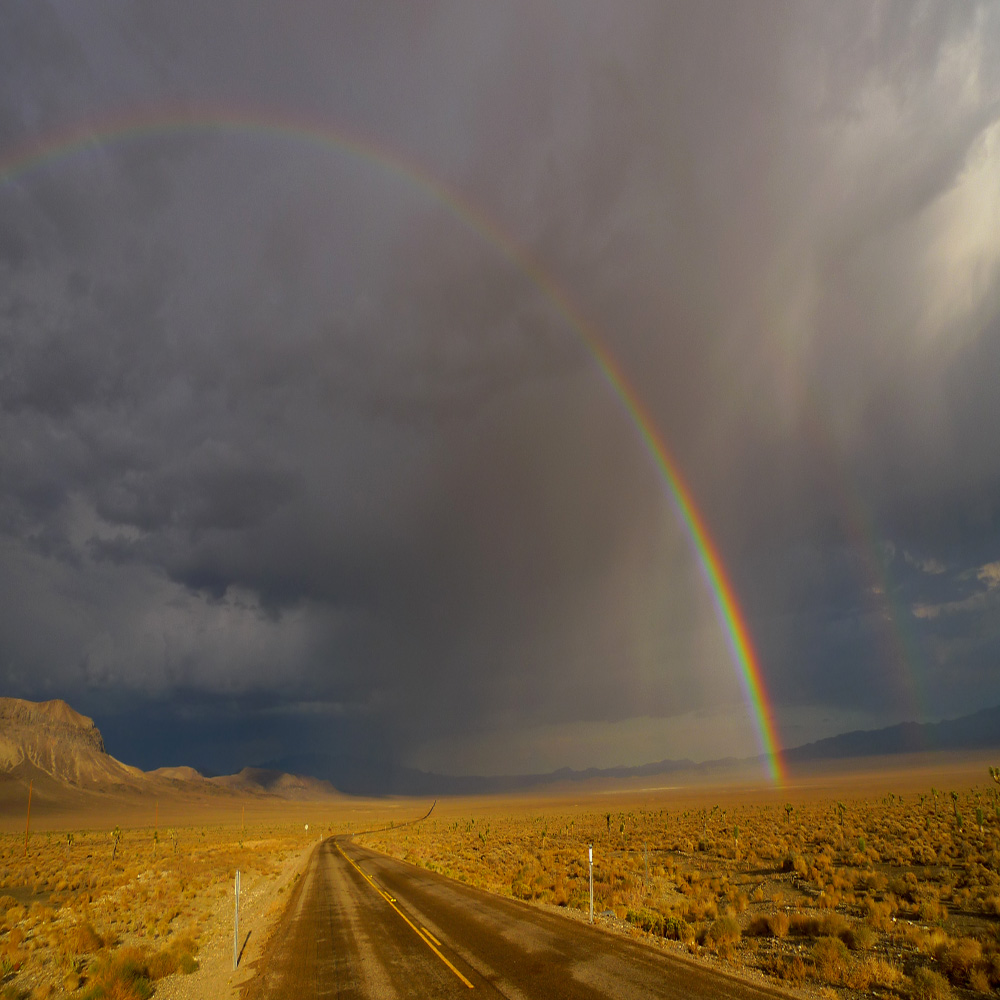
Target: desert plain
{"type": "Point", "coordinates": [877, 879]}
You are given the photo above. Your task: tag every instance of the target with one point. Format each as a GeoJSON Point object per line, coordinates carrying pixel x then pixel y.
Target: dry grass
{"type": "Point", "coordinates": [825, 887]}
{"type": "Point", "coordinates": [929, 985]}
{"type": "Point", "coordinates": [85, 916]}
{"type": "Point", "coordinates": [887, 892]}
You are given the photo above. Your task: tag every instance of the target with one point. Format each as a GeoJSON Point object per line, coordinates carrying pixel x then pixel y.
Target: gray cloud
{"type": "Point", "coordinates": [282, 427]}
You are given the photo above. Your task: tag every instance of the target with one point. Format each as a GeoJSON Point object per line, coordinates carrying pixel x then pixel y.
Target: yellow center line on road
{"type": "Point", "coordinates": [416, 930]}
{"type": "Point", "coordinates": [431, 936]}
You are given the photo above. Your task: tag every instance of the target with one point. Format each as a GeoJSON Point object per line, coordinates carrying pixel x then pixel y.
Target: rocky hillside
{"type": "Point", "coordinates": [58, 749]}
{"type": "Point", "coordinates": [50, 738]}
{"type": "Point", "coordinates": [261, 781]}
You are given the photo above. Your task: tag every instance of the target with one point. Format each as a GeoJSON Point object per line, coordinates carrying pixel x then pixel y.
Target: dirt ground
{"type": "Point", "coordinates": [873, 878]}
{"type": "Point", "coordinates": [883, 879]}
{"type": "Point", "coordinates": [107, 893]}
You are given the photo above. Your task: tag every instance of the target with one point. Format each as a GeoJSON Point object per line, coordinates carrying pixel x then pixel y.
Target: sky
{"type": "Point", "coordinates": [309, 451]}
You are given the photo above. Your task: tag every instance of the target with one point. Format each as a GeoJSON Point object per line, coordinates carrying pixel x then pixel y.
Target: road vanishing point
{"type": "Point", "coordinates": [360, 924]}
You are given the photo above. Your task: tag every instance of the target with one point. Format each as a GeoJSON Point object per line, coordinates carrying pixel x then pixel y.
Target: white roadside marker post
{"type": "Point", "coordinates": [236, 926]}
{"type": "Point", "coordinates": [590, 851]}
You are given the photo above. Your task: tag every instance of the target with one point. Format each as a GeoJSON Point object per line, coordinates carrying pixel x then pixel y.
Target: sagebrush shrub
{"type": "Point", "coordinates": [83, 940]}
{"type": "Point", "coordinates": [959, 958]}
{"type": "Point", "coordinates": [929, 985]}
{"type": "Point", "coordinates": [831, 959]}
{"type": "Point", "coordinates": [725, 930]}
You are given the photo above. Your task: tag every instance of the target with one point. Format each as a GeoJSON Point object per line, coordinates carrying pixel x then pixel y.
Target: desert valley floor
{"type": "Point", "coordinates": [880, 879]}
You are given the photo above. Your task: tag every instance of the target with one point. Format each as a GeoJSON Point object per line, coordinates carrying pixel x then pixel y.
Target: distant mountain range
{"type": "Point", "coordinates": [971, 732]}
{"type": "Point", "coordinates": [61, 751]}
{"type": "Point", "coordinates": [981, 730]}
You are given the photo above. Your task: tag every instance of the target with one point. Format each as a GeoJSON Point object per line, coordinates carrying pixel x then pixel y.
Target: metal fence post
{"type": "Point", "coordinates": [236, 926]}
{"type": "Point", "coordinates": [590, 851]}
{"type": "Point", "coordinates": [27, 822]}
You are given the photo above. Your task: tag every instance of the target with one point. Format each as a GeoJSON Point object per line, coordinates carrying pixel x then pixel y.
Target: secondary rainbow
{"type": "Point", "coordinates": [159, 121]}
{"type": "Point", "coordinates": [902, 652]}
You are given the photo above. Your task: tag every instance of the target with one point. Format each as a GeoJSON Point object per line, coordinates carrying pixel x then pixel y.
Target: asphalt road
{"type": "Point", "coordinates": [359, 924]}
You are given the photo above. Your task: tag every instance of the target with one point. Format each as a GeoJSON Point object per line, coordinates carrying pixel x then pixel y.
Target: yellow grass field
{"type": "Point", "coordinates": [108, 902]}
{"type": "Point", "coordinates": [884, 878]}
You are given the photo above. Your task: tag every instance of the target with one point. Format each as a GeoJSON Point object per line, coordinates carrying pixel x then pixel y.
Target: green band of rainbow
{"type": "Point", "coordinates": [150, 122]}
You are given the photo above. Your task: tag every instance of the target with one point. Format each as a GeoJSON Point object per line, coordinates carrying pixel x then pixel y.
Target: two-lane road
{"type": "Point", "coordinates": [362, 925]}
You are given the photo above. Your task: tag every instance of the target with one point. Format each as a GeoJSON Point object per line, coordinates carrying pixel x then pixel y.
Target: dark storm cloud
{"type": "Point", "coordinates": [281, 428]}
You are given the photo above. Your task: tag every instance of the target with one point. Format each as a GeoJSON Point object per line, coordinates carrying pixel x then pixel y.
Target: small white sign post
{"type": "Point", "coordinates": [590, 852]}
{"type": "Point", "coordinates": [236, 926]}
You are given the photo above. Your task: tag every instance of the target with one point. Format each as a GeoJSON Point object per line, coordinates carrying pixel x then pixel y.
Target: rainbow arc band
{"type": "Point", "coordinates": [151, 122]}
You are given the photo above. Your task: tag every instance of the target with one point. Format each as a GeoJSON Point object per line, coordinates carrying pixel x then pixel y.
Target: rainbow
{"type": "Point", "coordinates": [901, 647]}
{"type": "Point", "coordinates": [156, 122]}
